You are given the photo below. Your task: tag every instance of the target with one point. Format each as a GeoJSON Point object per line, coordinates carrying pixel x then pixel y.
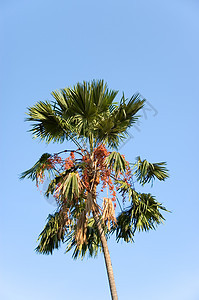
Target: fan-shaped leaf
{"type": "Point", "coordinates": [39, 166]}
{"type": "Point", "coordinates": [116, 162]}
{"type": "Point", "coordinates": [52, 234]}
{"type": "Point", "coordinates": [146, 172]}
{"type": "Point", "coordinates": [143, 214]}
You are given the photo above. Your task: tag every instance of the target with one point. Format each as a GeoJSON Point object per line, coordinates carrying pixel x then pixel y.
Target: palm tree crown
{"type": "Point", "coordinates": [86, 111]}
{"type": "Point", "coordinates": [89, 116]}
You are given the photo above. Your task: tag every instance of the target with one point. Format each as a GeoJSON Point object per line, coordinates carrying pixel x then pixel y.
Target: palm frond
{"type": "Point", "coordinates": [39, 166]}
{"type": "Point", "coordinates": [59, 179]}
{"type": "Point", "coordinates": [124, 228]}
{"type": "Point", "coordinates": [114, 128]}
{"type": "Point", "coordinates": [52, 235]}
{"type": "Point", "coordinates": [47, 125]}
{"type": "Point", "coordinates": [146, 212]}
{"type": "Point", "coordinates": [146, 172]}
{"type": "Point", "coordinates": [116, 162]}
{"type": "Point", "coordinates": [71, 186]}
{"type": "Point", "coordinates": [124, 188]}
{"type": "Point", "coordinates": [92, 246]}
{"type": "Point", "coordinates": [143, 214]}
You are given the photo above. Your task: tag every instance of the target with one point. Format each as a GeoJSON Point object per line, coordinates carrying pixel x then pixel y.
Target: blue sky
{"type": "Point", "coordinates": [147, 46]}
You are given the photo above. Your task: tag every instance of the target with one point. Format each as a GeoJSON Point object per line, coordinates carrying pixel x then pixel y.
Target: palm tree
{"type": "Point", "coordinates": [88, 115]}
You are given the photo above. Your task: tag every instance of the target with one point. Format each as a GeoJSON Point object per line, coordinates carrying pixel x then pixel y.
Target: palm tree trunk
{"type": "Point", "coordinates": [107, 258]}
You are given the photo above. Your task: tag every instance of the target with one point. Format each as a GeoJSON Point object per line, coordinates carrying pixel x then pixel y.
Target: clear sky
{"type": "Point", "coordinates": [148, 46]}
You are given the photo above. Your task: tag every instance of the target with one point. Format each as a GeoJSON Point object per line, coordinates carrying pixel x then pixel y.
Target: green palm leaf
{"type": "Point", "coordinates": [124, 227]}
{"type": "Point", "coordinates": [146, 172]}
{"type": "Point", "coordinates": [143, 214]}
{"type": "Point", "coordinates": [113, 129]}
{"type": "Point", "coordinates": [47, 125]}
{"type": "Point", "coordinates": [146, 212]}
{"type": "Point", "coordinates": [52, 235]}
{"type": "Point", "coordinates": [124, 188]}
{"type": "Point", "coordinates": [116, 162]}
{"type": "Point", "coordinates": [39, 166]}
{"type": "Point", "coordinates": [85, 111]}
{"type": "Point", "coordinates": [70, 186]}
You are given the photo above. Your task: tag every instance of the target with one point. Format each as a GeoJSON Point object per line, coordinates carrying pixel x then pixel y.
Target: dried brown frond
{"type": "Point", "coordinates": [91, 204]}
{"type": "Point", "coordinates": [81, 229]}
{"type": "Point", "coordinates": [67, 215]}
{"type": "Point", "coordinates": [108, 214]}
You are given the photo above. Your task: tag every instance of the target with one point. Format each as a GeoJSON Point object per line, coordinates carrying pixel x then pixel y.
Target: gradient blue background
{"type": "Point", "coordinates": [148, 46]}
